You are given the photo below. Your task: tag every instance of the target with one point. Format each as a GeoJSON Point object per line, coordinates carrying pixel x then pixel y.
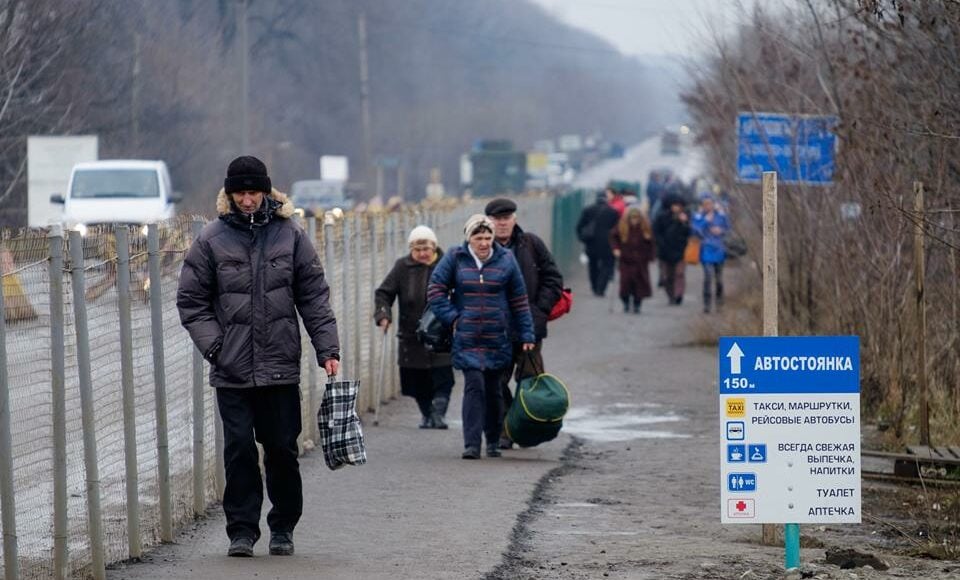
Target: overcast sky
{"type": "Point", "coordinates": [655, 27]}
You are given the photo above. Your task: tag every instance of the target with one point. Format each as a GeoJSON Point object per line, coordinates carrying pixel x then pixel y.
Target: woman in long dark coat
{"type": "Point", "coordinates": [632, 243]}
{"type": "Point", "coordinates": [424, 375]}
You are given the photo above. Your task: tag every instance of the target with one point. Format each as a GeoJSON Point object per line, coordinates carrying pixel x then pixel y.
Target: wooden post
{"type": "Point", "coordinates": [918, 248]}
{"type": "Point", "coordinates": [771, 310]}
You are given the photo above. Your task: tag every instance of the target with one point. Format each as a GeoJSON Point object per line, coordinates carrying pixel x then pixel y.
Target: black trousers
{"type": "Point", "coordinates": [269, 416]}
{"type": "Point", "coordinates": [601, 267]}
{"type": "Point", "coordinates": [424, 385]}
{"type": "Point", "coordinates": [482, 406]}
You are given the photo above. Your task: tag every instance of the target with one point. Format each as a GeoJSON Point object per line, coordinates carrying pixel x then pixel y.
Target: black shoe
{"type": "Point", "coordinates": [241, 547]}
{"type": "Point", "coordinates": [426, 422]}
{"type": "Point", "coordinates": [437, 421]}
{"type": "Point", "coordinates": [281, 544]}
{"type": "Point", "coordinates": [505, 442]}
{"type": "Point", "coordinates": [471, 453]}
{"type": "Point", "coordinates": [493, 450]}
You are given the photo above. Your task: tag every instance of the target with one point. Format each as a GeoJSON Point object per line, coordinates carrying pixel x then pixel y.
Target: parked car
{"type": "Point", "coordinates": [314, 196]}
{"type": "Point", "coordinates": [127, 191]}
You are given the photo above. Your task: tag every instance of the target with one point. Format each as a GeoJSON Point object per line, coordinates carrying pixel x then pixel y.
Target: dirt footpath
{"type": "Point", "coordinates": [638, 495]}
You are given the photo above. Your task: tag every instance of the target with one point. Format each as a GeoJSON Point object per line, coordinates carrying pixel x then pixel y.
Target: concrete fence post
{"type": "Point", "coordinates": [95, 524]}
{"type": "Point", "coordinates": [159, 383]}
{"type": "Point", "coordinates": [61, 567]}
{"type": "Point", "coordinates": [199, 414]}
{"type": "Point", "coordinates": [134, 545]}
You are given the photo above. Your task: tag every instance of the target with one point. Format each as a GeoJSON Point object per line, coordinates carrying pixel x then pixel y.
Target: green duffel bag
{"type": "Point", "coordinates": [536, 414]}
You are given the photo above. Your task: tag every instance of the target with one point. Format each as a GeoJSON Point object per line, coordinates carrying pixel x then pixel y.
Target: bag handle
{"type": "Point", "coordinates": [533, 362]}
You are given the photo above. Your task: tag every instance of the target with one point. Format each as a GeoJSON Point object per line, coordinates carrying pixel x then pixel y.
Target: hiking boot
{"type": "Point", "coordinates": [241, 547]}
{"type": "Point", "coordinates": [471, 453]}
{"type": "Point", "coordinates": [281, 544]}
{"type": "Point", "coordinates": [493, 450]}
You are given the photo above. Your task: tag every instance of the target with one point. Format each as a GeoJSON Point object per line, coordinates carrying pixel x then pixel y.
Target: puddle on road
{"type": "Point", "coordinates": [621, 422]}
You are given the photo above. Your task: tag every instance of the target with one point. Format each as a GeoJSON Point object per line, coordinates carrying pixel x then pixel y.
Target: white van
{"type": "Point", "coordinates": [126, 191]}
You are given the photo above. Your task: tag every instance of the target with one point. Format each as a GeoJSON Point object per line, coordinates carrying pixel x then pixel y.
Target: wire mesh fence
{"type": "Point", "coordinates": [109, 437]}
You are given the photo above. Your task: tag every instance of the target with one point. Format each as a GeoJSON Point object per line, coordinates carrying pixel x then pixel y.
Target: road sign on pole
{"type": "Point", "coordinates": [790, 429]}
{"type": "Point", "coordinates": [800, 148]}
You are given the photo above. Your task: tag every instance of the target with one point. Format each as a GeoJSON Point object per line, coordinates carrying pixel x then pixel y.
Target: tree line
{"type": "Point", "coordinates": [164, 80]}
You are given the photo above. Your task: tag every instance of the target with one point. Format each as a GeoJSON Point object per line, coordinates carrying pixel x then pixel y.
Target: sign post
{"type": "Point", "coordinates": [790, 430]}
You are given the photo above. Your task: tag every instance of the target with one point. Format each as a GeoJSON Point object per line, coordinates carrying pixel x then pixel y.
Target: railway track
{"type": "Point", "coordinates": [933, 466]}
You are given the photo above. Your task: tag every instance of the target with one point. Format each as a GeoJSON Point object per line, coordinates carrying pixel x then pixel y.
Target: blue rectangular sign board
{"type": "Point", "coordinates": [765, 365]}
{"type": "Point", "coordinates": [800, 148]}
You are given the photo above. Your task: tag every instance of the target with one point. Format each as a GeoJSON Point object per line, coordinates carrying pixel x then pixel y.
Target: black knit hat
{"type": "Point", "coordinates": [247, 173]}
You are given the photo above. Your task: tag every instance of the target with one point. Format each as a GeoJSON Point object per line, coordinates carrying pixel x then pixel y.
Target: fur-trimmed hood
{"type": "Point", "coordinates": [285, 210]}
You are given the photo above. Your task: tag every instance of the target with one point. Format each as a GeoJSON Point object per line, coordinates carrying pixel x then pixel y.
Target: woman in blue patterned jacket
{"type": "Point", "coordinates": [477, 289]}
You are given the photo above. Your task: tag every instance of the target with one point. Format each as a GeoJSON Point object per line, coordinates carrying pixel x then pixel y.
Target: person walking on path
{"type": "Point", "coordinates": [671, 230]}
{"type": "Point", "coordinates": [632, 243]}
{"type": "Point", "coordinates": [243, 281]}
{"type": "Point", "coordinates": [489, 300]}
{"type": "Point", "coordinates": [593, 229]}
{"type": "Point", "coordinates": [710, 224]}
{"type": "Point", "coordinates": [544, 285]}
{"type": "Point", "coordinates": [424, 375]}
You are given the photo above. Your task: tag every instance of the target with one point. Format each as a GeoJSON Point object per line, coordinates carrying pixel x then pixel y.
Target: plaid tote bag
{"type": "Point", "coordinates": [340, 434]}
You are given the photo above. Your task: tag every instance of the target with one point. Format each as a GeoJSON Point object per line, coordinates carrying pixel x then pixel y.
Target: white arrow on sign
{"type": "Point", "coordinates": [735, 355]}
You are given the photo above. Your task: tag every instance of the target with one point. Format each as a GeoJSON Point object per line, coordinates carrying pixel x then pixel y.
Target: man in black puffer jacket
{"type": "Point", "coordinates": [243, 281]}
{"type": "Point", "coordinates": [544, 285]}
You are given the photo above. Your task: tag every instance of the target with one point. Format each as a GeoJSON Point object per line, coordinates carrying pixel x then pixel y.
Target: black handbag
{"type": "Point", "coordinates": [433, 334]}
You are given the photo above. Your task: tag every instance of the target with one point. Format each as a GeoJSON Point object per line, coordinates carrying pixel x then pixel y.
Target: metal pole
{"type": "Point", "coordinates": [11, 563]}
{"type": "Point", "coordinates": [134, 546]}
{"type": "Point", "coordinates": [312, 366]}
{"type": "Point", "coordinates": [375, 275]}
{"type": "Point", "coordinates": [244, 80]}
{"type": "Point", "coordinates": [95, 525]}
{"type": "Point", "coordinates": [220, 474]}
{"type": "Point", "coordinates": [159, 383]}
{"type": "Point", "coordinates": [357, 279]}
{"type": "Point", "coordinates": [345, 345]}
{"type": "Point", "coordinates": [919, 259]}
{"type": "Point", "coordinates": [365, 97]}
{"type": "Point", "coordinates": [199, 413]}
{"type": "Point", "coordinates": [61, 565]}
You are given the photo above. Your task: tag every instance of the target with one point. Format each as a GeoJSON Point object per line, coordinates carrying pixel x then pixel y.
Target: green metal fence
{"type": "Point", "coordinates": [566, 247]}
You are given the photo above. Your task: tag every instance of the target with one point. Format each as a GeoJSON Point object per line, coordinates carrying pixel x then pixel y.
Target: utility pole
{"type": "Point", "coordinates": [135, 95]}
{"type": "Point", "coordinates": [365, 95]}
{"type": "Point", "coordinates": [244, 79]}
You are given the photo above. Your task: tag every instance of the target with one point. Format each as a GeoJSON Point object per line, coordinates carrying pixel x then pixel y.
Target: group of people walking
{"type": "Point", "coordinates": [494, 291]}
{"type": "Point", "coordinates": [615, 233]}
{"type": "Point", "coordinates": [250, 273]}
